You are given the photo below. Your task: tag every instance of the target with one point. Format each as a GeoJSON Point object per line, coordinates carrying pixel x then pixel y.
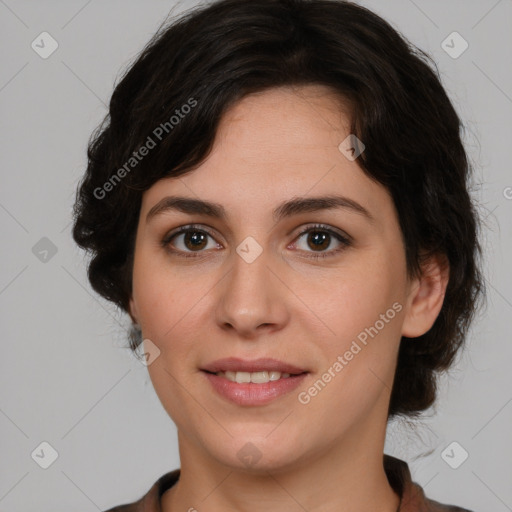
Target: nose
{"type": "Point", "coordinates": [252, 297]}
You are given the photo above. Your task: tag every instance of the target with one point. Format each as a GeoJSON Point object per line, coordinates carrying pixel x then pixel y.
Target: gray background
{"type": "Point", "coordinates": [65, 377]}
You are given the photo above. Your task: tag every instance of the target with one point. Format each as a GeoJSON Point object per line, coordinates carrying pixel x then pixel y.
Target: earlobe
{"type": "Point", "coordinates": [426, 297]}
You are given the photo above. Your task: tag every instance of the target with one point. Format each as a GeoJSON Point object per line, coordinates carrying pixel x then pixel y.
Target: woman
{"type": "Point", "coordinates": [278, 199]}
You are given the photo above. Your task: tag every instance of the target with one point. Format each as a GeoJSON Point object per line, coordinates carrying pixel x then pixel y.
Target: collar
{"type": "Point", "coordinates": [412, 497]}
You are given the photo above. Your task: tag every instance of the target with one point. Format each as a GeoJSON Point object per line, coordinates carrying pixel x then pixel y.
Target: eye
{"type": "Point", "coordinates": [320, 238]}
{"type": "Point", "coordinates": [193, 240]}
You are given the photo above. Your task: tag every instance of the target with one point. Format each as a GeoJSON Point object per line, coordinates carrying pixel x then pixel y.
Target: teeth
{"type": "Point", "coordinates": [255, 377]}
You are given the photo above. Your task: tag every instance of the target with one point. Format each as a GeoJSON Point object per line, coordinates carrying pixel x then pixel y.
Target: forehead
{"type": "Point", "coordinates": [274, 145]}
{"type": "Point", "coordinates": [274, 122]}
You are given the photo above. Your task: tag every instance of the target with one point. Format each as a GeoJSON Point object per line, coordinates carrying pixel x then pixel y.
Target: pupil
{"type": "Point", "coordinates": [194, 237]}
{"type": "Point", "coordinates": [319, 236]}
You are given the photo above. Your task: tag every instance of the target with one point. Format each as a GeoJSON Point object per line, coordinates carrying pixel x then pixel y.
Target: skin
{"type": "Point", "coordinates": [325, 455]}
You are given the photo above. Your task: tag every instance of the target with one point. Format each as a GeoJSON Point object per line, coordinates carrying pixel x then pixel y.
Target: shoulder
{"type": "Point", "coordinates": [435, 506]}
{"type": "Point", "coordinates": [135, 506]}
{"type": "Point", "coordinates": [418, 502]}
{"type": "Point", "coordinates": [131, 507]}
{"type": "Point", "coordinates": [412, 495]}
{"type": "Point", "coordinates": [150, 502]}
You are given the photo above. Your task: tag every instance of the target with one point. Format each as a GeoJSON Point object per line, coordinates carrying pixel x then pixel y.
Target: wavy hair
{"type": "Point", "coordinates": [216, 54]}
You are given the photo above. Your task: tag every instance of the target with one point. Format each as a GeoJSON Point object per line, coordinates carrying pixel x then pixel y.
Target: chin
{"type": "Point", "coordinates": [258, 453]}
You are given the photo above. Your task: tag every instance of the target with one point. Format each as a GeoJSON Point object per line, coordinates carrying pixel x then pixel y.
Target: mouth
{"type": "Point", "coordinates": [259, 377]}
{"type": "Point", "coordinates": [253, 383]}
{"type": "Point", "coordinates": [259, 367]}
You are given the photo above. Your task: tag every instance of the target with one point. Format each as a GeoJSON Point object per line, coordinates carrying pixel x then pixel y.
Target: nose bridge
{"type": "Point", "coordinates": [251, 295]}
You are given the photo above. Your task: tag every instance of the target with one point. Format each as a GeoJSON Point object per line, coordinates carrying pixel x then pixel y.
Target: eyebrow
{"type": "Point", "coordinates": [289, 208]}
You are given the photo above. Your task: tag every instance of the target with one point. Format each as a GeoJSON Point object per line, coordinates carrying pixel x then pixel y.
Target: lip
{"type": "Point", "coordinates": [235, 364]}
{"type": "Point", "coordinates": [250, 393]}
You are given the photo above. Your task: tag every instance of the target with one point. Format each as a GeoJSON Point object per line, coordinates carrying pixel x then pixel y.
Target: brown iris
{"type": "Point", "coordinates": [196, 239]}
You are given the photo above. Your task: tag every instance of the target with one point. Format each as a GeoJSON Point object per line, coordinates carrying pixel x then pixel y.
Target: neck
{"type": "Point", "coordinates": [347, 476]}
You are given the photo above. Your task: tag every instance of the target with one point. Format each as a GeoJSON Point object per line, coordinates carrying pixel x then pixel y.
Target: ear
{"type": "Point", "coordinates": [426, 296]}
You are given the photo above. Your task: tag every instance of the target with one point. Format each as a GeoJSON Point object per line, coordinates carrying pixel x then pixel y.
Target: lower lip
{"type": "Point", "coordinates": [249, 393]}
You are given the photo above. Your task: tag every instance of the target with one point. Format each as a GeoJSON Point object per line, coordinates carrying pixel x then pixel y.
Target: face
{"type": "Point", "coordinates": [322, 289]}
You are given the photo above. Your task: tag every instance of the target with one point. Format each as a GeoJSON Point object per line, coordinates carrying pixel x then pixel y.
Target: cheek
{"type": "Point", "coordinates": [358, 361]}
{"type": "Point", "coordinates": [163, 294]}
{"type": "Point", "coordinates": [364, 313]}
{"type": "Point", "coordinates": [355, 300]}
{"type": "Point", "coordinates": [171, 387]}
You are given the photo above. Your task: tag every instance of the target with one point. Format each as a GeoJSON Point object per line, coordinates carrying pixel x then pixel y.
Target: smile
{"type": "Point", "coordinates": [240, 388]}
{"type": "Point", "coordinates": [254, 377]}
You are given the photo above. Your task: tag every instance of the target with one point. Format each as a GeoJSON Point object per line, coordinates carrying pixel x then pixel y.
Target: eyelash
{"type": "Point", "coordinates": [345, 240]}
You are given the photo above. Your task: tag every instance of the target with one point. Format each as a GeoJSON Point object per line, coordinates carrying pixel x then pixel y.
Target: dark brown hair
{"type": "Point", "coordinates": [213, 56]}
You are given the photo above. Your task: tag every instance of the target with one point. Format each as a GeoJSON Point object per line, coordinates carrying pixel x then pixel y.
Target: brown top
{"type": "Point", "coordinates": [412, 497]}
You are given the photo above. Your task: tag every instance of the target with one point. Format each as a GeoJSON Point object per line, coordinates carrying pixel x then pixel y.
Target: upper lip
{"type": "Point", "coordinates": [235, 364]}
